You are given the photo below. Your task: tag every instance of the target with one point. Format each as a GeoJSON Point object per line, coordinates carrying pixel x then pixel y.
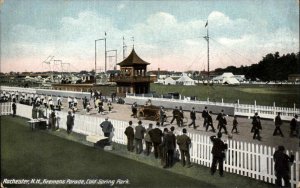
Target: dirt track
{"type": "Point", "coordinates": [123, 112]}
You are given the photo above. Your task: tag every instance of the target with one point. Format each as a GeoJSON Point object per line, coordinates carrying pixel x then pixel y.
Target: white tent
{"type": "Point", "coordinates": [185, 80]}
{"type": "Point", "coordinates": [226, 78]}
{"type": "Point", "coordinates": [169, 81]}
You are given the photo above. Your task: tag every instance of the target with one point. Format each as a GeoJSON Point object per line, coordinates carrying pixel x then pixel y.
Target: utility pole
{"type": "Point", "coordinates": [116, 56]}
{"type": "Point", "coordinates": [207, 39]}
{"type": "Point", "coordinates": [105, 53]}
{"type": "Point", "coordinates": [96, 54]}
{"type": "Point", "coordinates": [124, 48]}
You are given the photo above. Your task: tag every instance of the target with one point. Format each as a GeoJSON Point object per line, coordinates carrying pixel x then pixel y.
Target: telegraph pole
{"type": "Point", "coordinates": [124, 47]}
{"type": "Point", "coordinates": [207, 39]}
{"type": "Point", "coordinates": [105, 52]}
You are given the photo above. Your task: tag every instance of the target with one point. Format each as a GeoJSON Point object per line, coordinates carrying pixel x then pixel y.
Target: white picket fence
{"type": "Point", "coordinates": [5, 108]}
{"type": "Point", "coordinates": [247, 159]}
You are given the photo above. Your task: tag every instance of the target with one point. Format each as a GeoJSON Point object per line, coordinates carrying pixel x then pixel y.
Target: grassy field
{"type": "Point", "coordinates": [40, 155]}
{"type": "Point", "coordinates": [284, 96]}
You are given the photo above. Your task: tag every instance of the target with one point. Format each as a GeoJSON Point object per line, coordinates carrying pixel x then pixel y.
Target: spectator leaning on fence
{"type": "Point", "coordinates": [70, 122]}
{"type": "Point", "coordinates": [129, 132]}
{"type": "Point", "coordinates": [282, 166]}
{"type": "Point", "coordinates": [184, 143]}
{"type": "Point", "coordinates": [139, 136]}
{"type": "Point", "coordinates": [14, 108]}
{"type": "Point", "coordinates": [218, 152]}
{"type": "Point", "coordinates": [156, 135]}
{"type": "Point", "coordinates": [107, 128]}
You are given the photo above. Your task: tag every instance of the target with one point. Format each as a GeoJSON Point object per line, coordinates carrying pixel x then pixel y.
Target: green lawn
{"type": "Point", "coordinates": [284, 96]}
{"type": "Point", "coordinates": [42, 155]}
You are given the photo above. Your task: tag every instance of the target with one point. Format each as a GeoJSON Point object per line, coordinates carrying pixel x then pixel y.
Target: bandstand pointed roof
{"type": "Point", "coordinates": [132, 59]}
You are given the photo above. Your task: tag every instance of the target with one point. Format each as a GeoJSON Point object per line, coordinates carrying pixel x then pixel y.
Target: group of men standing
{"type": "Point", "coordinates": [163, 143]}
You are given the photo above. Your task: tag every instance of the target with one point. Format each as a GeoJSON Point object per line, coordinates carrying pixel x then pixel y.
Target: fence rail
{"type": "Point", "coordinates": [247, 159]}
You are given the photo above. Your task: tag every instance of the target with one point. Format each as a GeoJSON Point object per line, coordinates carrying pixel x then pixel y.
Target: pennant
{"type": "Point", "coordinates": [206, 23]}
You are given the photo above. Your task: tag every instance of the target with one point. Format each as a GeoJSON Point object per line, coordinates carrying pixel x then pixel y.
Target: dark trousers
{"type": "Point", "coordinates": [256, 134]}
{"type": "Point", "coordinates": [70, 104]}
{"type": "Point", "coordinates": [157, 152]}
{"type": "Point", "coordinates": [179, 121]}
{"type": "Point", "coordinates": [205, 122]}
{"type": "Point", "coordinates": [148, 147]}
{"type": "Point", "coordinates": [208, 124]}
{"type": "Point", "coordinates": [223, 127]}
{"type": "Point", "coordinates": [277, 128]}
{"type": "Point", "coordinates": [130, 144]}
{"type": "Point", "coordinates": [185, 154]}
{"type": "Point", "coordinates": [170, 158]}
{"type": "Point", "coordinates": [69, 129]}
{"type": "Point", "coordinates": [252, 129]}
{"type": "Point", "coordinates": [214, 165]}
{"type": "Point", "coordinates": [234, 128]}
{"type": "Point", "coordinates": [14, 112]}
{"type": "Point", "coordinates": [193, 123]}
{"type": "Point", "coordinates": [285, 177]}
{"type": "Point", "coordinates": [138, 145]}
{"type": "Point", "coordinates": [174, 117]}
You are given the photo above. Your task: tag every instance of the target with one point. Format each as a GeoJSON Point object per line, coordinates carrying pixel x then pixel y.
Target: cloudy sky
{"type": "Point", "coordinates": [167, 34]}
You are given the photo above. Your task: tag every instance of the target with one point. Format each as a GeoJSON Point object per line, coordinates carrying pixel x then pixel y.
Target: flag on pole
{"type": "Point", "coordinates": [206, 23]}
{"type": "Point", "coordinates": [105, 33]}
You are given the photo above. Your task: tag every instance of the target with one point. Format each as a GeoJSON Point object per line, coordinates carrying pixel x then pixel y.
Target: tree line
{"type": "Point", "coordinates": [272, 67]}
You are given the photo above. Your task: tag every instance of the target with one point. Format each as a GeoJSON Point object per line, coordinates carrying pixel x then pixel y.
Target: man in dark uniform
{"type": "Point", "coordinates": [205, 116]}
{"type": "Point", "coordinates": [139, 136]}
{"type": "Point", "coordinates": [223, 123]}
{"type": "Point", "coordinates": [175, 114]}
{"type": "Point", "coordinates": [293, 125]}
{"type": "Point", "coordinates": [282, 166]}
{"type": "Point", "coordinates": [156, 135]}
{"type": "Point", "coordinates": [193, 118]}
{"type": "Point", "coordinates": [14, 108]}
{"type": "Point", "coordinates": [256, 126]}
{"type": "Point", "coordinates": [278, 123]}
{"type": "Point", "coordinates": [84, 102]}
{"type": "Point", "coordinates": [218, 152]}
{"type": "Point", "coordinates": [179, 118]}
{"type": "Point", "coordinates": [184, 143]}
{"type": "Point", "coordinates": [130, 136]}
{"type": "Point", "coordinates": [219, 118]}
{"type": "Point", "coordinates": [162, 116]}
{"type": "Point", "coordinates": [209, 122]}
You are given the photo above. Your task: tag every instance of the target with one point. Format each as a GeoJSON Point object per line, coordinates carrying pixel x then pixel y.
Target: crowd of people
{"type": "Point", "coordinates": [166, 145]}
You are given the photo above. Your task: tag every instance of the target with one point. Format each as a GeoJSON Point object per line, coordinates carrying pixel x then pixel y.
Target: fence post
{"type": "Point", "coordinates": [207, 99]}
{"type": "Point", "coordinates": [294, 109]}
{"type": "Point", "coordinates": [222, 102]}
{"type": "Point", "coordinates": [179, 97]}
{"type": "Point", "coordinates": [274, 109]}
{"type": "Point", "coordinates": [238, 102]}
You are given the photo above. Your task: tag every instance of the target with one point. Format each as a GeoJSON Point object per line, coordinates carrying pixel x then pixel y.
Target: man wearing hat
{"type": "Point", "coordinates": [184, 143]}
{"type": "Point", "coordinates": [293, 125]}
{"type": "Point", "coordinates": [107, 129]}
{"type": "Point", "coordinates": [278, 123]}
{"type": "Point", "coordinates": [209, 122]}
{"type": "Point", "coordinates": [129, 132]}
{"type": "Point", "coordinates": [218, 152]}
{"type": "Point", "coordinates": [193, 118]}
{"type": "Point", "coordinates": [139, 136]}
{"type": "Point", "coordinates": [256, 126]}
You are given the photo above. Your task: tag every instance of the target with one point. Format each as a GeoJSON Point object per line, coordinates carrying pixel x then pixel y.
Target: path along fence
{"type": "Point", "coordinates": [246, 110]}
{"type": "Point", "coordinates": [247, 159]}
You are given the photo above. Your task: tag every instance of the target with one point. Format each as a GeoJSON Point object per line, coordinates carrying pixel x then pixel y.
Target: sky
{"type": "Point", "coordinates": [167, 34]}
